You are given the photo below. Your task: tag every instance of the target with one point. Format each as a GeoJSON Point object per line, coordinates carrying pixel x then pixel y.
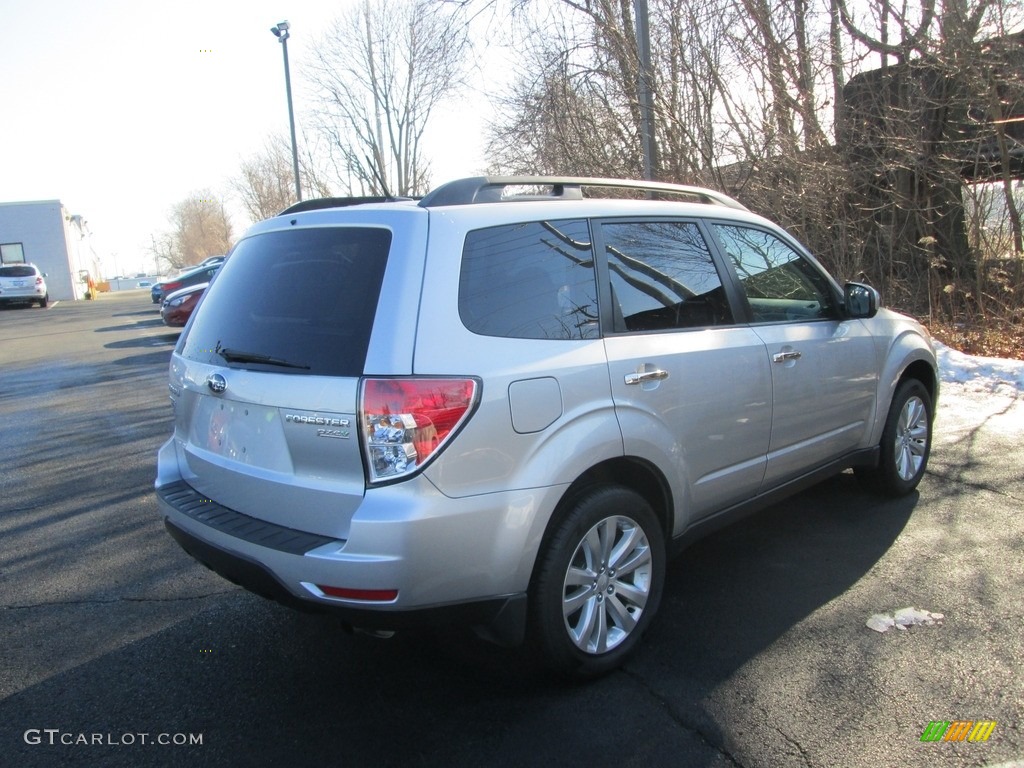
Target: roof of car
{"type": "Point", "coordinates": [495, 189]}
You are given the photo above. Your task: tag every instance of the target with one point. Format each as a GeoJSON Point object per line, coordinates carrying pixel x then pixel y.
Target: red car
{"type": "Point", "coordinates": [177, 308]}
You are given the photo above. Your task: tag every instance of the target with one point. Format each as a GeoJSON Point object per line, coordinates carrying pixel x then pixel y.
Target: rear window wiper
{"type": "Point", "coordinates": [236, 356]}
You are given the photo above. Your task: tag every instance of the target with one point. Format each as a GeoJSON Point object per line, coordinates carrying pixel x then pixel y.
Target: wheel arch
{"type": "Point", "coordinates": [599, 493]}
{"type": "Point", "coordinates": [926, 374]}
{"type": "Point", "coordinates": [630, 472]}
{"type": "Point", "coordinates": [910, 357]}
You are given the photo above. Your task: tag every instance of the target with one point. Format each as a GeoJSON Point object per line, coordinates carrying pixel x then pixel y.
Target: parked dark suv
{"type": "Point", "coordinates": [504, 410]}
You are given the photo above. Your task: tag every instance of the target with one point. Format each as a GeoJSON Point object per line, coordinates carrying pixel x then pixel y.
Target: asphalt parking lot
{"type": "Point", "coordinates": [118, 649]}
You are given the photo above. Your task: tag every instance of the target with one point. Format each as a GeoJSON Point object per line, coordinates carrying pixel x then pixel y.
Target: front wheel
{"type": "Point", "coordinates": [598, 582]}
{"type": "Point", "coordinates": [906, 442]}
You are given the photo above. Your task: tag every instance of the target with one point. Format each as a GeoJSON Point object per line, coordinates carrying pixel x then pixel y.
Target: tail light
{"type": "Point", "coordinates": [405, 422]}
{"type": "Point", "coordinates": [39, 281]}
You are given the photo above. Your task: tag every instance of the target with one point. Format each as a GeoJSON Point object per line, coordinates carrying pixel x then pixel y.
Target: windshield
{"type": "Point", "coordinates": [17, 271]}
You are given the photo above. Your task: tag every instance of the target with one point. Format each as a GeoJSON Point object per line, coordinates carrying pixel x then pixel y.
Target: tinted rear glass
{"type": "Point", "coordinates": [306, 298]}
{"type": "Point", "coordinates": [17, 271]}
{"type": "Point", "coordinates": [530, 281]}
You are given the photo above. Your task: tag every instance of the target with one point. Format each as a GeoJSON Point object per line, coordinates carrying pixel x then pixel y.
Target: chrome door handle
{"type": "Point", "coordinates": [782, 357]}
{"type": "Point", "coordinates": [640, 378]}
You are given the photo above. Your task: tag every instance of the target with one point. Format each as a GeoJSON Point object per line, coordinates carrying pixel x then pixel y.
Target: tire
{"type": "Point", "coordinates": [44, 301]}
{"type": "Point", "coordinates": [906, 443]}
{"type": "Point", "coordinates": [597, 583]}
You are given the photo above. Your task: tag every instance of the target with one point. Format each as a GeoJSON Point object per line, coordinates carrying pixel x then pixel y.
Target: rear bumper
{"type": "Point", "coordinates": [282, 563]}
{"type": "Point", "coordinates": [21, 296]}
{"type": "Point", "coordinates": [501, 620]}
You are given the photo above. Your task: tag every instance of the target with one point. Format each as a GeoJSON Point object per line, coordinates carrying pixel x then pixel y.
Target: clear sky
{"type": "Point", "coordinates": [121, 108]}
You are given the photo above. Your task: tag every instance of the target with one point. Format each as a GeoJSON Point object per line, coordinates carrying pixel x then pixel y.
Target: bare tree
{"type": "Point", "coordinates": [264, 184]}
{"type": "Point", "coordinates": [566, 114]}
{"type": "Point", "coordinates": [927, 121]}
{"type": "Point", "coordinates": [380, 72]}
{"type": "Point", "coordinates": [734, 80]}
{"type": "Point", "coordinates": [200, 227]}
{"type": "Point", "coordinates": [314, 166]}
{"type": "Point", "coordinates": [163, 250]}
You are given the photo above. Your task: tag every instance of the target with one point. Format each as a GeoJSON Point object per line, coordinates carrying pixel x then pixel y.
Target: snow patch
{"type": "Point", "coordinates": [903, 618]}
{"type": "Point", "coordinates": [980, 374]}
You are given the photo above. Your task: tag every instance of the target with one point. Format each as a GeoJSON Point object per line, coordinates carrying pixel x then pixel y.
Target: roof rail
{"type": "Point", "coordinates": [318, 203]}
{"type": "Point", "coordinates": [490, 189]}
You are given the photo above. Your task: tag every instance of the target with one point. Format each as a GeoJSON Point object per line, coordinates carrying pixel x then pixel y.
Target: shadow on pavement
{"type": "Point", "coordinates": [278, 687]}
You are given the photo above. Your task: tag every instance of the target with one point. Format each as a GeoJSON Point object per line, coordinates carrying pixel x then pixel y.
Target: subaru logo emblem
{"type": "Point", "coordinates": [216, 383]}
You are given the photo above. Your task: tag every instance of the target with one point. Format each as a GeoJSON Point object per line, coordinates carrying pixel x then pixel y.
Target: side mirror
{"type": "Point", "coordinates": [861, 300]}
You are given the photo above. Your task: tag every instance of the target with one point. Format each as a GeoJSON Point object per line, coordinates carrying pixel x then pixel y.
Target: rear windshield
{"type": "Point", "coordinates": [300, 301]}
{"type": "Point", "coordinates": [17, 271]}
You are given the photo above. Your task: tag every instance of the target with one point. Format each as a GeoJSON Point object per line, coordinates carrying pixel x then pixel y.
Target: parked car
{"type": "Point", "coordinates": [23, 284]}
{"type": "Point", "coordinates": [507, 410]}
{"type": "Point", "coordinates": [177, 308]}
{"type": "Point", "coordinates": [192, 276]}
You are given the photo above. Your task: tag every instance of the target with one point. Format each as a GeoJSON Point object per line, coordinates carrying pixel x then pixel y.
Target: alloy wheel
{"type": "Point", "coordinates": [607, 584]}
{"type": "Point", "coordinates": [911, 438]}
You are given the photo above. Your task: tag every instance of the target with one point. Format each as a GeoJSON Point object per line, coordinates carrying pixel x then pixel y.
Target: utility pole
{"type": "Point", "coordinates": [643, 45]}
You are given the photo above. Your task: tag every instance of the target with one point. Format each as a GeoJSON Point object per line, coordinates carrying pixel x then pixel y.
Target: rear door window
{"type": "Point", "coordinates": [300, 301]}
{"type": "Point", "coordinates": [663, 277]}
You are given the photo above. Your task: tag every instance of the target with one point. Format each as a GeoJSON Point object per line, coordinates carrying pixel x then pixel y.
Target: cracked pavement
{"type": "Point", "coordinates": [759, 658]}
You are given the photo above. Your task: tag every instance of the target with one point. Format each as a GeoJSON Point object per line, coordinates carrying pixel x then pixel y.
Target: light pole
{"type": "Point", "coordinates": [281, 33]}
{"type": "Point", "coordinates": [643, 42]}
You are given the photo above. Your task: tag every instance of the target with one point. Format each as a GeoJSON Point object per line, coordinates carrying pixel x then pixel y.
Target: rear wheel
{"type": "Point", "coordinates": [598, 582]}
{"type": "Point", "coordinates": [906, 443]}
{"type": "Point", "coordinates": [44, 301]}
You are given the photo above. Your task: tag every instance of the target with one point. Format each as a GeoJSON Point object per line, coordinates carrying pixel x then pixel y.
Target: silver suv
{"type": "Point", "coordinates": [505, 410]}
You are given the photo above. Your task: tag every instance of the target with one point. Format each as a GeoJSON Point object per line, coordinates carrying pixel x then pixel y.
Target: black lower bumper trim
{"type": "Point", "coordinates": [233, 567]}
{"type": "Point", "coordinates": [188, 501]}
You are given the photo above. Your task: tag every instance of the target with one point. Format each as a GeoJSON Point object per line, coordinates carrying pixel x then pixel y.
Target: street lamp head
{"type": "Point", "coordinates": [281, 30]}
